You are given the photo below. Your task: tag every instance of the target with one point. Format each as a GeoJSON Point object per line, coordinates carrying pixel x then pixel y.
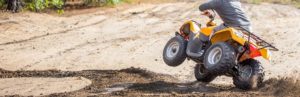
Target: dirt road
{"type": "Point", "coordinates": [107, 40]}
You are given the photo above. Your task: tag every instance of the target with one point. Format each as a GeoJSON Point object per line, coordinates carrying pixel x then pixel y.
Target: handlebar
{"type": "Point", "coordinates": [211, 16]}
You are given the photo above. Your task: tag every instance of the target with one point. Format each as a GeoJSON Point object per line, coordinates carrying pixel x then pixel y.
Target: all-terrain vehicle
{"type": "Point", "coordinates": [230, 52]}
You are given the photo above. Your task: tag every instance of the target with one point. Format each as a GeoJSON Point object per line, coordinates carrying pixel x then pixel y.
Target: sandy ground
{"type": "Point", "coordinates": [41, 86]}
{"type": "Point", "coordinates": [124, 37]}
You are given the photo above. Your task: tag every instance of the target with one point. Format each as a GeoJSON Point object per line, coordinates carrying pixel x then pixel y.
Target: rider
{"type": "Point", "coordinates": [231, 13]}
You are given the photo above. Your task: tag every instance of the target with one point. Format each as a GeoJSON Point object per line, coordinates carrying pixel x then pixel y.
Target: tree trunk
{"type": "Point", "coordinates": [14, 5]}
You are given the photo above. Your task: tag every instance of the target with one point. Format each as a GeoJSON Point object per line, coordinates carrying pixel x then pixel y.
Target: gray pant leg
{"type": "Point", "coordinates": [247, 28]}
{"type": "Point", "coordinates": [218, 28]}
{"type": "Point", "coordinates": [194, 46]}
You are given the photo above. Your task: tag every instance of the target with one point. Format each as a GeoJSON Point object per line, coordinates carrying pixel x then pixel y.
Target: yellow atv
{"type": "Point", "coordinates": [230, 52]}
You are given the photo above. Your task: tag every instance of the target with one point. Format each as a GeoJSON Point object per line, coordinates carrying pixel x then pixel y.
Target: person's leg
{"type": "Point", "coordinates": [194, 46]}
{"type": "Point", "coordinates": [247, 28]}
{"type": "Point", "coordinates": [218, 28]}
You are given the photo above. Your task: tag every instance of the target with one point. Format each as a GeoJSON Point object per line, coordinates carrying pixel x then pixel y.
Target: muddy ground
{"type": "Point", "coordinates": [137, 82]}
{"type": "Point", "coordinates": [91, 52]}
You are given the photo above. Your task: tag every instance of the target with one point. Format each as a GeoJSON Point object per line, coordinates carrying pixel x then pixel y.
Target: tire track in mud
{"type": "Point", "coordinates": [50, 34]}
{"type": "Point", "coordinates": [115, 41]}
{"type": "Point", "coordinates": [78, 46]}
{"type": "Point", "coordinates": [75, 46]}
{"type": "Point", "coordinates": [161, 11]}
{"type": "Point", "coordinates": [8, 22]}
{"type": "Point", "coordinates": [138, 82]}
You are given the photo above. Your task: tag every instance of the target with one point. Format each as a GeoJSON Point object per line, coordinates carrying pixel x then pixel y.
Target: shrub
{"type": "Point", "coordinates": [101, 2]}
{"type": "Point", "coordinates": [38, 5]}
{"type": "Point", "coordinates": [2, 3]}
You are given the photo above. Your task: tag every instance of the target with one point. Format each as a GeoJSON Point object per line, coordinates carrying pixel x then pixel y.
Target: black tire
{"type": "Point", "coordinates": [254, 79]}
{"type": "Point", "coordinates": [219, 58]}
{"type": "Point", "coordinates": [179, 54]}
{"type": "Point", "coordinates": [202, 75]}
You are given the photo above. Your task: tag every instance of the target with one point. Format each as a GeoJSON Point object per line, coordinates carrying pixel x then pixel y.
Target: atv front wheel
{"type": "Point", "coordinates": [202, 75]}
{"type": "Point", "coordinates": [250, 75]}
{"type": "Point", "coordinates": [219, 58]}
{"type": "Point", "coordinates": [174, 51]}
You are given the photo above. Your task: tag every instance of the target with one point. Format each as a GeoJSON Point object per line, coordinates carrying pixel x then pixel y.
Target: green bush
{"type": "Point", "coordinates": [101, 2]}
{"type": "Point", "coordinates": [2, 3]}
{"type": "Point", "coordinates": [57, 3]}
{"type": "Point", "coordinates": [112, 2]}
{"type": "Point", "coordinates": [39, 5]}
{"type": "Point", "coordinates": [94, 2]}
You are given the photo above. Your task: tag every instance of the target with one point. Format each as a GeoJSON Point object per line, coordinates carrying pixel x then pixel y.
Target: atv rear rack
{"type": "Point", "coordinates": [260, 42]}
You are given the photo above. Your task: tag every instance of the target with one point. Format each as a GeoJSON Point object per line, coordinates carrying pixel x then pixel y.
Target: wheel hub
{"type": "Point", "coordinates": [245, 71]}
{"type": "Point", "coordinates": [202, 70]}
{"type": "Point", "coordinates": [172, 50]}
{"type": "Point", "coordinates": [214, 56]}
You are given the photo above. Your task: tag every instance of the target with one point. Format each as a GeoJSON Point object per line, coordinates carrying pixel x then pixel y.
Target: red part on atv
{"type": "Point", "coordinates": [254, 51]}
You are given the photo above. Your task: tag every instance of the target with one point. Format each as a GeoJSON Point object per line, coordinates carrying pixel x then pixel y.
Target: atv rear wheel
{"type": "Point", "coordinates": [174, 51]}
{"type": "Point", "coordinates": [219, 58]}
{"type": "Point", "coordinates": [250, 75]}
{"type": "Point", "coordinates": [202, 75]}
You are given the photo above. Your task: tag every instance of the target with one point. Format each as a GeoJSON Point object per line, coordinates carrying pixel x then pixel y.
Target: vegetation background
{"type": "Point", "coordinates": [58, 5]}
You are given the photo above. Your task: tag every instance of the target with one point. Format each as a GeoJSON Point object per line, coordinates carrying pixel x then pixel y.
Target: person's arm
{"type": "Point", "coordinates": [208, 5]}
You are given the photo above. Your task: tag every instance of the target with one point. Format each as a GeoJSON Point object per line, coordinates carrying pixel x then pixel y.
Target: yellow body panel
{"type": "Point", "coordinates": [227, 34]}
{"type": "Point", "coordinates": [193, 26]}
{"type": "Point", "coordinates": [265, 53]}
{"type": "Point", "coordinates": [207, 31]}
{"type": "Point", "coordinates": [223, 35]}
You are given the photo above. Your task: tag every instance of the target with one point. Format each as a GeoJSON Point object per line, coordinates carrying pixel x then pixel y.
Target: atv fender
{"type": "Point", "coordinates": [207, 30]}
{"type": "Point", "coordinates": [190, 27]}
{"type": "Point", "coordinates": [227, 34]}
